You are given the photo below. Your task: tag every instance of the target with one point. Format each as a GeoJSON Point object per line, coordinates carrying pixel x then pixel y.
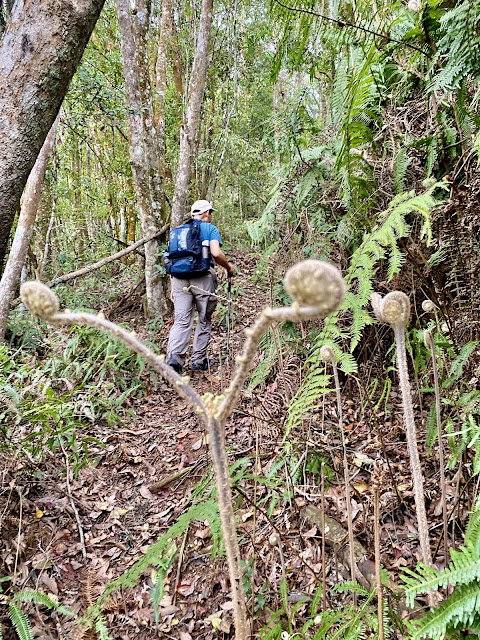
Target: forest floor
{"type": "Point", "coordinates": [71, 539]}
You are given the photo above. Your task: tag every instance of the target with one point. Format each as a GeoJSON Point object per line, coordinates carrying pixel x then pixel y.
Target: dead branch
{"type": "Point", "coordinates": [97, 265]}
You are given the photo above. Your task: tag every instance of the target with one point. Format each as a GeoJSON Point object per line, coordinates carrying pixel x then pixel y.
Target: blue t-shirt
{"type": "Point", "coordinates": [209, 231]}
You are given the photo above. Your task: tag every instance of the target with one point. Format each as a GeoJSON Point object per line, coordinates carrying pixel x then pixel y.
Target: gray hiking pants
{"type": "Point", "coordinates": [186, 303]}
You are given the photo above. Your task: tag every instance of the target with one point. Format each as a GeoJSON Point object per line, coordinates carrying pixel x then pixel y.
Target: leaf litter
{"type": "Point", "coordinates": [120, 516]}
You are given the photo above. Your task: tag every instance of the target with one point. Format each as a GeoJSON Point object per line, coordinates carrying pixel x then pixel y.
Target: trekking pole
{"type": "Point", "coordinates": [229, 300]}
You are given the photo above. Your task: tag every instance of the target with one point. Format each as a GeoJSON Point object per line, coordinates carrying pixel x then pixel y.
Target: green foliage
{"type": "Point", "coordinates": [459, 46]}
{"type": "Point", "coordinates": [18, 617]}
{"type": "Point", "coordinates": [51, 403]}
{"type": "Point", "coordinates": [459, 612]}
{"type": "Point", "coordinates": [20, 622]}
{"type": "Point", "coordinates": [380, 244]}
{"type": "Point", "coordinates": [354, 100]}
{"type": "Point", "coordinates": [461, 403]}
{"type": "Point", "coordinates": [158, 590]}
{"type": "Point", "coordinates": [400, 169]}
{"type": "Point", "coordinates": [344, 621]}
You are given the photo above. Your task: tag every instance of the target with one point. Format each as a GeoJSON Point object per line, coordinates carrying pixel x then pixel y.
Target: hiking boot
{"type": "Point", "coordinates": [176, 366]}
{"type": "Point", "coordinates": [202, 366]}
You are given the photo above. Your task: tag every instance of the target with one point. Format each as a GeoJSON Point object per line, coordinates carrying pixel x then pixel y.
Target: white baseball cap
{"type": "Point", "coordinates": [200, 206]}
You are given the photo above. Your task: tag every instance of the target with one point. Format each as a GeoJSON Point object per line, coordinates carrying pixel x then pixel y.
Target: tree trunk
{"type": "Point", "coordinates": [189, 129]}
{"type": "Point", "coordinates": [39, 52]}
{"type": "Point", "coordinates": [161, 78]}
{"type": "Point", "coordinates": [176, 60]}
{"type": "Point", "coordinates": [46, 246]}
{"type": "Point", "coordinates": [133, 25]}
{"type": "Point", "coordinates": [23, 233]}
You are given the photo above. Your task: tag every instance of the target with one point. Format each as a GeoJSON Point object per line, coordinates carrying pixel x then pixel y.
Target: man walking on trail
{"type": "Point", "coordinates": [200, 296]}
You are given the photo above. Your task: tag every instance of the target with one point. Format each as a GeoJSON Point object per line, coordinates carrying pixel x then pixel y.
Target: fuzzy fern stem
{"type": "Point", "coordinates": [394, 309]}
{"type": "Point", "coordinates": [399, 332]}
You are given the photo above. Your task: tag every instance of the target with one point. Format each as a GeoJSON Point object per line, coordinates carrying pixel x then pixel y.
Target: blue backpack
{"type": "Point", "coordinates": [186, 257]}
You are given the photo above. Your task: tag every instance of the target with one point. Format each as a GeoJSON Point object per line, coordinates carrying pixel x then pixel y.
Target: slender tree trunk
{"type": "Point", "coordinates": [23, 233]}
{"type": "Point", "coordinates": [5, 10]}
{"type": "Point", "coordinates": [176, 60]}
{"type": "Point", "coordinates": [161, 76]}
{"type": "Point", "coordinates": [140, 118]}
{"type": "Point", "coordinates": [46, 248]}
{"type": "Point", "coordinates": [276, 127]}
{"type": "Point", "coordinates": [39, 52]}
{"type": "Point", "coordinates": [188, 130]}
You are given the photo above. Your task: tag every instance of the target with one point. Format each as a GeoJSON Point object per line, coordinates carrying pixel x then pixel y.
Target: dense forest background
{"type": "Point", "coordinates": [346, 132]}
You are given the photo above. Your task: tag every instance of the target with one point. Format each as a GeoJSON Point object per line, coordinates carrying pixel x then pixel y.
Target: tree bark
{"type": "Point", "coordinates": [39, 52]}
{"type": "Point", "coordinates": [176, 60]}
{"type": "Point", "coordinates": [143, 158]}
{"type": "Point", "coordinates": [24, 230]}
{"type": "Point", "coordinates": [188, 130]}
{"type": "Point", "coordinates": [161, 78]}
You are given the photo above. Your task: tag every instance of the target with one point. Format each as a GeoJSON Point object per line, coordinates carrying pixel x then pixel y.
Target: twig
{"type": "Point", "coordinates": [428, 339]}
{"type": "Point", "coordinates": [327, 355]}
{"type": "Point", "coordinates": [70, 495]}
{"type": "Point", "coordinates": [97, 265]}
{"type": "Point", "coordinates": [17, 552]}
{"type": "Point", "coordinates": [156, 486]}
{"type": "Point", "coordinates": [376, 523]}
{"type": "Point", "coordinates": [180, 560]}
{"type": "Point", "coordinates": [324, 573]}
{"type": "Point", "coordinates": [345, 23]}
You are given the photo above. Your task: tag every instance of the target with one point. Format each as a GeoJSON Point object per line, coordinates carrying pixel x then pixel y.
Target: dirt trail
{"type": "Point", "coordinates": [110, 505]}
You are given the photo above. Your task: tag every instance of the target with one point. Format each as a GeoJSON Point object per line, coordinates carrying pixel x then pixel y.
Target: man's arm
{"type": "Point", "coordinates": [219, 256]}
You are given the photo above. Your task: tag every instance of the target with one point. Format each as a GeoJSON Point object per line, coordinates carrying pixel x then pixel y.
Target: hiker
{"type": "Point", "coordinates": [196, 298]}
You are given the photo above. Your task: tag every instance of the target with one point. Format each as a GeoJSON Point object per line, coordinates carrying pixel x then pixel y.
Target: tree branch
{"type": "Point", "coordinates": [93, 267]}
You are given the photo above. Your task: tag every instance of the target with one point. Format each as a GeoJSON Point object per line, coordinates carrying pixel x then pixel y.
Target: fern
{"type": "Point", "coordinates": [20, 622]}
{"type": "Point", "coordinates": [400, 168]}
{"type": "Point", "coordinates": [154, 557]}
{"type": "Point", "coordinates": [160, 556]}
{"type": "Point", "coordinates": [381, 243]}
{"type": "Point", "coordinates": [157, 592]}
{"type": "Point", "coordinates": [42, 599]}
{"type": "Point", "coordinates": [354, 105]}
{"type": "Point", "coordinates": [457, 366]}
{"type": "Point", "coordinates": [337, 623]}
{"type": "Point", "coordinates": [461, 610]}
{"type": "Point", "coordinates": [459, 48]}
{"type": "Point", "coordinates": [101, 628]}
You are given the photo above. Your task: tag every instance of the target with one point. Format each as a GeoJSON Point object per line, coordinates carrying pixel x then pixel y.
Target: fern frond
{"type": "Point", "coordinates": [381, 242]}
{"type": "Point", "coordinates": [20, 622]}
{"type": "Point", "coordinates": [457, 613]}
{"type": "Point", "coordinates": [400, 169]}
{"type": "Point", "coordinates": [101, 628]}
{"type": "Point", "coordinates": [457, 366]}
{"type": "Point", "coordinates": [463, 568]}
{"type": "Point", "coordinates": [40, 598]}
